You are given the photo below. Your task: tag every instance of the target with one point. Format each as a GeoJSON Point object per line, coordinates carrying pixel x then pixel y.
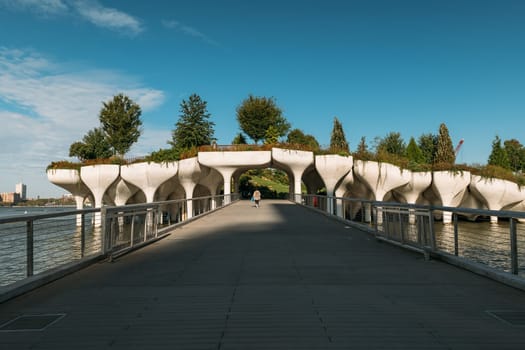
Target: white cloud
{"type": "Point", "coordinates": [45, 108]}
{"type": "Point", "coordinates": [178, 26]}
{"type": "Point", "coordinates": [107, 17]}
{"type": "Point", "coordinates": [41, 7]}
{"type": "Point", "coordinates": [90, 10]}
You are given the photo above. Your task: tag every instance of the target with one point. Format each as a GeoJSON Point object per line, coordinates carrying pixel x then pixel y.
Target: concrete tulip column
{"type": "Point", "coordinates": [294, 162]}
{"type": "Point", "coordinates": [189, 174]}
{"type": "Point", "coordinates": [418, 183]}
{"type": "Point", "coordinates": [211, 181]}
{"type": "Point", "coordinates": [332, 168]}
{"type": "Point", "coordinates": [121, 192]}
{"type": "Point", "coordinates": [226, 163]}
{"type": "Point", "coordinates": [450, 188]}
{"type": "Point", "coordinates": [380, 178]}
{"type": "Point", "coordinates": [69, 179]}
{"type": "Point", "coordinates": [342, 190]}
{"type": "Point", "coordinates": [496, 193]}
{"type": "Point", "coordinates": [98, 178]}
{"type": "Point", "coordinates": [148, 176]}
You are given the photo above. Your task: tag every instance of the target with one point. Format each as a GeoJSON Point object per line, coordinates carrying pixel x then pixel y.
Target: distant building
{"type": "Point", "coordinates": [10, 197]}
{"type": "Point", "coordinates": [21, 189]}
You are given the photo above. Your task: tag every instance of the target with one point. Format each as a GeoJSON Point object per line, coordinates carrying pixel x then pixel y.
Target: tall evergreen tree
{"type": "Point", "coordinates": [414, 153]}
{"type": "Point", "coordinates": [338, 142]}
{"type": "Point", "coordinates": [120, 120]}
{"type": "Point", "coordinates": [498, 156]}
{"type": "Point", "coordinates": [239, 139]}
{"type": "Point", "coordinates": [516, 154]}
{"type": "Point", "coordinates": [444, 149]}
{"type": "Point", "coordinates": [193, 128]}
{"type": "Point", "coordinates": [362, 150]}
{"type": "Point", "coordinates": [428, 144]}
{"type": "Point", "coordinates": [272, 135]}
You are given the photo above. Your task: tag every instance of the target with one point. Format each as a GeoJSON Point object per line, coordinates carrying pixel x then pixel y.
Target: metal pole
{"type": "Point", "coordinates": [82, 235]}
{"type": "Point", "coordinates": [29, 248]}
{"type": "Point", "coordinates": [132, 230]}
{"type": "Point", "coordinates": [513, 247]}
{"type": "Point", "coordinates": [103, 238]}
{"type": "Point", "coordinates": [456, 238]}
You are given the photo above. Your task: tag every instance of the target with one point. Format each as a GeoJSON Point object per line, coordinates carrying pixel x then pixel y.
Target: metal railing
{"type": "Point", "coordinates": [471, 239]}
{"type": "Point", "coordinates": [35, 244]}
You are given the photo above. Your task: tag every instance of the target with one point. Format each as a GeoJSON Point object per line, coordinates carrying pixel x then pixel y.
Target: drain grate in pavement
{"type": "Point", "coordinates": [30, 323]}
{"type": "Point", "coordinates": [515, 318]}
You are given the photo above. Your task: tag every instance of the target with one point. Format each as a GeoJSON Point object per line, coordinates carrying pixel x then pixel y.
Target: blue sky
{"type": "Point", "coordinates": [379, 66]}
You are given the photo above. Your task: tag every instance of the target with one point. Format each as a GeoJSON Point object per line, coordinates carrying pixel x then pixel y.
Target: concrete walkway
{"type": "Point", "coordinates": [277, 277]}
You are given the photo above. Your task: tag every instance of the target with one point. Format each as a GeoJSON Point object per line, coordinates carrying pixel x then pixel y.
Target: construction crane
{"type": "Point", "coordinates": [458, 147]}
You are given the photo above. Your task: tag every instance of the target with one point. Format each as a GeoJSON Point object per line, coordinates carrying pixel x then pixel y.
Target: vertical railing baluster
{"type": "Point", "coordinates": [456, 236]}
{"type": "Point", "coordinates": [29, 248]}
{"type": "Point", "coordinates": [82, 235]}
{"type": "Point", "coordinates": [513, 247]}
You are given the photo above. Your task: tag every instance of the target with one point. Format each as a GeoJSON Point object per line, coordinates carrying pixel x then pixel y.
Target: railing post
{"type": "Point", "coordinates": [132, 233]}
{"type": "Point", "coordinates": [104, 240]}
{"type": "Point", "coordinates": [431, 230]}
{"type": "Point", "coordinates": [513, 247]}
{"type": "Point", "coordinates": [29, 248]}
{"type": "Point", "coordinates": [82, 235]}
{"type": "Point", "coordinates": [456, 236]}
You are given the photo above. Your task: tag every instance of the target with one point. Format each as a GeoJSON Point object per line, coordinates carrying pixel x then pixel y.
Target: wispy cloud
{"type": "Point", "coordinates": [41, 7]}
{"type": "Point", "coordinates": [46, 106]}
{"type": "Point", "coordinates": [187, 30]}
{"type": "Point", "coordinates": [106, 17]}
{"type": "Point", "coordinates": [89, 10]}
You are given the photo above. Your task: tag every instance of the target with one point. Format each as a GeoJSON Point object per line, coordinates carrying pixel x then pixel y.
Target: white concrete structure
{"type": "Point", "coordinates": [342, 176]}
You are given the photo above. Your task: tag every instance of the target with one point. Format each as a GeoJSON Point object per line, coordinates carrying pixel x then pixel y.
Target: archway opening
{"type": "Point", "coordinates": [271, 182]}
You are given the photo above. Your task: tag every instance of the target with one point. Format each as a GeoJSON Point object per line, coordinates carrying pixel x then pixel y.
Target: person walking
{"type": "Point", "coordinates": [257, 197]}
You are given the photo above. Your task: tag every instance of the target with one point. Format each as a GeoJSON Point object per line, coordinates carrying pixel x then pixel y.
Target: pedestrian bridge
{"type": "Point", "coordinates": [281, 276]}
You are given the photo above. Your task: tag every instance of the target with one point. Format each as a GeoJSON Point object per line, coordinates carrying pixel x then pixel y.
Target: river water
{"type": "Point", "coordinates": [58, 241]}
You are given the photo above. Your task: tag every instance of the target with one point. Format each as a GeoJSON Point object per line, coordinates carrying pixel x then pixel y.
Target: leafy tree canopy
{"type": "Point", "coordinates": [297, 137]}
{"type": "Point", "coordinates": [120, 120]}
{"type": "Point", "coordinates": [516, 154]}
{"type": "Point", "coordinates": [428, 144]}
{"type": "Point", "coordinates": [414, 153]}
{"type": "Point", "coordinates": [193, 128]}
{"type": "Point", "coordinates": [256, 114]}
{"type": "Point", "coordinates": [93, 146]}
{"type": "Point", "coordinates": [392, 143]}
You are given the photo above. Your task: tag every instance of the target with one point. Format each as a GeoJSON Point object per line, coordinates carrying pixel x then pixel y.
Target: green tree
{"type": "Point", "coordinates": [338, 142]}
{"type": "Point", "coordinates": [428, 144]}
{"type": "Point", "coordinates": [93, 146]}
{"type": "Point", "coordinates": [498, 156]}
{"type": "Point", "coordinates": [516, 154]}
{"type": "Point", "coordinates": [392, 143]}
{"type": "Point", "coordinates": [297, 137]}
{"type": "Point", "coordinates": [414, 153]}
{"type": "Point", "coordinates": [362, 150]}
{"type": "Point", "coordinates": [239, 139]}
{"type": "Point", "coordinates": [120, 120]}
{"type": "Point", "coordinates": [444, 148]}
{"type": "Point", "coordinates": [272, 135]}
{"type": "Point", "coordinates": [193, 128]}
{"type": "Point", "coordinates": [256, 114]}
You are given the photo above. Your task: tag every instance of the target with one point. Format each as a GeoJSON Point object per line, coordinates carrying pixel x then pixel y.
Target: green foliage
{"type": "Point", "coordinates": [271, 183]}
{"type": "Point", "coordinates": [362, 150]}
{"type": "Point", "coordinates": [338, 142]}
{"type": "Point", "coordinates": [239, 139]}
{"type": "Point", "coordinates": [392, 143]}
{"type": "Point", "coordinates": [414, 153]}
{"type": "Point", "coordinates": [498, 156]}
{"type": "Point", "coordinates": [272, 136]}
{"type": "Point", "coordinates": [120, 120]}
{"type": "Point", "coordinates": [297, 137]}
{"type": "Point", "coordinates": [428, 144]}
{"type": "Point", "coordinates": [164, 155]}
{"type": "Point", "coordinates": [64, 164]}
{"type": "Point", "coordinates": [516, 154]}
{"type": "Point", "coordinates": [256, 114]}
{"type": "Point", "coordinates": [93, 146]}
{"type": "Point", "coordinates": [193, 128]}
{"type": "Point", "coordinates": [444, 149]}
